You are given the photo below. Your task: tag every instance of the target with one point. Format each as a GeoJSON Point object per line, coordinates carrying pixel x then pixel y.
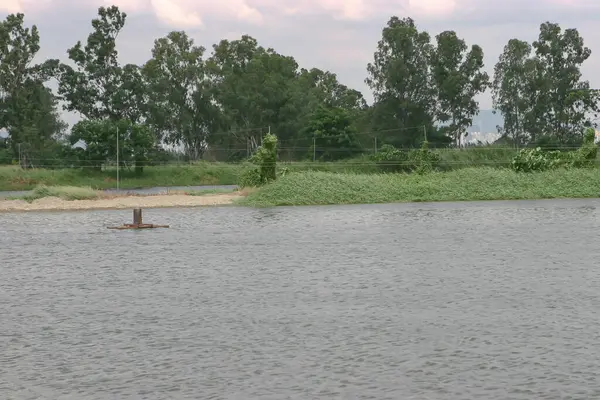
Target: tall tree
{"type": "Point", "coordinates": [254, 88]}
{"type": "Point", "coordinates": [513, 88]}
{"type": "Point", "coordinates": [568, 99]}
{"type": "Point", "coordinates": [458, 78]}
{"type": "Point", "coordinates": [181, 96]}
{"type": "Point", "coordinates": [98, 87]}
{"type": "Point", "coordinates": [27, 107]}
{"type": "Point", "coordinates": [400, 79]}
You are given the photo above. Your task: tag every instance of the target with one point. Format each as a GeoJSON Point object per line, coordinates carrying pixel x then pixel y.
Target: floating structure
{"type": "Point", "coordinates": [137, 222]}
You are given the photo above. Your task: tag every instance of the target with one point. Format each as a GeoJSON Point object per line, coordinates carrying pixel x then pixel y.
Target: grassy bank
{"type": "Point", "coordinates": [62, 192]}
{"type": "Point", "coordinates": [15, 178]}
{"type": "Point", "coordinates": [320, 188]}
{"type": "Point", "coordinates": [214, 173]}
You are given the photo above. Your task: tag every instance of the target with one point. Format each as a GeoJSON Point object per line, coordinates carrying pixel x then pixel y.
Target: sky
{"type": "Point", "coordinates": [336, 35]}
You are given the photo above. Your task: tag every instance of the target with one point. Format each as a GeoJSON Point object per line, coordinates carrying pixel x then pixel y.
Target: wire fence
{"type": "Point", "coordinates": [358, 149]}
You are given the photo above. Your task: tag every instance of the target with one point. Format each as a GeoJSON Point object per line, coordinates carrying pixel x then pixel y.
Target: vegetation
{"type": "Point", "coordinates": [215, 112]}
{"type": "Point", "coordinates": [63, 192]}
{"type": "Point", "coordinates": [218, 105]}
{"type": "Point", "coordinates": [201, 173]}
{"type": "Point", "coordinates": [322, 188]}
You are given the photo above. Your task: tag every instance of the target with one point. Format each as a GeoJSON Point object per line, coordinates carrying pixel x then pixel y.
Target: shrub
{"type": "Point", "coordinates": [585, 156]}
{"type": "Point", "coordinates": [390, 159]}
{"type": "Point", "coordinates": [266, 160]}
{"type": "Point", "coordinates": [424, 160]}
{"type": "Point", "coordinates": [532, 160]}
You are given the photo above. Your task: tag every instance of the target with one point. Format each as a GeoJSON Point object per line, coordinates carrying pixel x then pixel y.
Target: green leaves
{"type": "Point", "coordinates": [538, 87]}
{"type": "Point", "coordinates": [458, 78]}
{"type": "Point", "coordinates": [135, 142]}
{"type": "Point", "coordinates": [95, 86]}
{"type": "Point", "coordinates": [181, 107]}
{"type": "Point", "coordinates": [27, 108]}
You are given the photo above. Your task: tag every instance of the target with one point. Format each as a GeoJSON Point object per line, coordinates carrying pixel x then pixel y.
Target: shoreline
{"type": "Point", "coordinates": [120, 202]}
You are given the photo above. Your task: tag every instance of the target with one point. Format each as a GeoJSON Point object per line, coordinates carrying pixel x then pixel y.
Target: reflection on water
{"type": "Point", "coordinates": [450, 301]}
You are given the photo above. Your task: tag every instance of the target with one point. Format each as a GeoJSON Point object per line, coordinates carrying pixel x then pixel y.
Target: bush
{"type": "Point", "coordinates": [424, 160]}
{"type": "Point", "coordinates": [250, 178]}
{"type": "Point", "coordinates": [390, 159]}
{"type": "Point", "coordinates": [532, 160]}
{"type": "Point", "coordinates": [266, 159]}
{"type": "Point", "coordinates": [585, 156]}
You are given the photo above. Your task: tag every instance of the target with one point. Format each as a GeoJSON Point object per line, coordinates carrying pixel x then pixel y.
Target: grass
{"type": "Point", "coordinates": [202, 173]}
{"type": "Point", "coordinates": [63, 192]}
{"type": "Point", "coordinates": [216, 173]}
{"type": "Point", "coordinates": [483, 183]}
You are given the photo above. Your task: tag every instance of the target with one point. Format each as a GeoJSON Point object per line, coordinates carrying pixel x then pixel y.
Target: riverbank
{"type": "Point", "coordinates": [54, 203]}
{"type": "Point", "coordinates": [13, 178]}
{"type": "Point", "coordinates": [322, 188]}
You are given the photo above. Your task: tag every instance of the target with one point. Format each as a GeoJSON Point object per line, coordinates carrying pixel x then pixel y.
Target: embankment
{"type": "Point", "coordinates": [321, 188]}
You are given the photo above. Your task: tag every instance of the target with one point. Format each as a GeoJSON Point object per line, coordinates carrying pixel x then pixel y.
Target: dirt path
{"type": "Point", "coordinates": [160, 201]}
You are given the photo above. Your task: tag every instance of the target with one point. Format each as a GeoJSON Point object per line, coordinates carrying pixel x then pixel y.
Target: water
{"type": "Point", "coordinates": [144, 191]}
{"type": "Point", "coordinates": [450, 301]}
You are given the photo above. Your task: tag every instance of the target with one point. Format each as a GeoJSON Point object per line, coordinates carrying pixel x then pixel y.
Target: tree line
{"type": "Point", "coordinates": [424, 89]}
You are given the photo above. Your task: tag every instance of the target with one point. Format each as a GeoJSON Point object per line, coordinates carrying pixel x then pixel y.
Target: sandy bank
{"type": "Point", "coordinates": [160, 201]}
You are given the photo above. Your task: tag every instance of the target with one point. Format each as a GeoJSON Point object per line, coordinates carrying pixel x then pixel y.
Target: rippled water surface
{"type": "Point", "coordinates": [448, 301]}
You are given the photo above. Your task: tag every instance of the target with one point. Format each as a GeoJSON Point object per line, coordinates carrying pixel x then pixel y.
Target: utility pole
{"type": "Point", "coordinates": [375, 144]}
{"type": "Point", "coordinates": [314, 149]}
{"type": "Point", "coordinates": [117, 158]}
{"type": "Point", "coordinates": [424, 133]}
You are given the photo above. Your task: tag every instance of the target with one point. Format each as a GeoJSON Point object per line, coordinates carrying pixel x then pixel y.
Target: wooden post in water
{"type": "Point", "coordinates": [137, 216]}
{"type": "Point", "coordinates": [137, 222]}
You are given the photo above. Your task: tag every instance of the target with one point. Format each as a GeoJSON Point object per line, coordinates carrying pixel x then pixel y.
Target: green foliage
{"type": "Point", "coordinates": [458, 77]}
{"type": "Point", "coordinates": [135, 142]}
{"type": "Point", "coordinates": [27, 107]}
{"type": "Point", "coordinates": [390, 159]}
{"type": "Point", "coordinates": [63, 192]}
{"type": "Point", "coordinates": [420, 161]}
{"type": "Point", "coordinates": [333, 133]}
{"type": "Point", "coordinates": [585, 157]}
{"type": "Point", "coordinates": [533, 160]}
{"type": "Point", "coordinates": [250, 178]}
{"type": "Point", "coordinates": [424, 160]}
{"type": "Point", "coordinates": [265, 158]}
{"type": "Point", "coordinates": [321, 188]}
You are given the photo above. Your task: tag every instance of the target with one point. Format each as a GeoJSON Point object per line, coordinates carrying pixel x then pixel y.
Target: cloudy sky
{"type": "Point", "coordinates": [338, 35]}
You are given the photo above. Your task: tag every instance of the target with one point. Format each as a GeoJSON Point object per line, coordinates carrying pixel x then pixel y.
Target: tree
{"type": "Point", "coordinates": [458, 78]}
{"type": "Point", "coordinates": [27, 107]}
{"type": "Point", "coordinates": [400, 79]}
{"type": "Point", "coordinates": [568, 100]}
{"type": "Point", "coordinates": [513, 87]}
{"type": "Point", "coordinates": [98, 87]}
{"type": "Point", "coordinates": [181, 96]}
{"type": "Point", "coordinates": [333, 133]}
{"type": "Point", "coordinates": [135, 142]}
{"type": "Point", "coordinates": [254, 88]}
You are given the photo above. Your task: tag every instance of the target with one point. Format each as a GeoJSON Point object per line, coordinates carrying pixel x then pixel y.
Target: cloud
{"type": "Point", "coordinates": [195, 13]}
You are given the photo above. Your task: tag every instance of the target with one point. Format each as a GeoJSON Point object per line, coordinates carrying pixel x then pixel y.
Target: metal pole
{"type": "Point", "coordinates": [117, 158]}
